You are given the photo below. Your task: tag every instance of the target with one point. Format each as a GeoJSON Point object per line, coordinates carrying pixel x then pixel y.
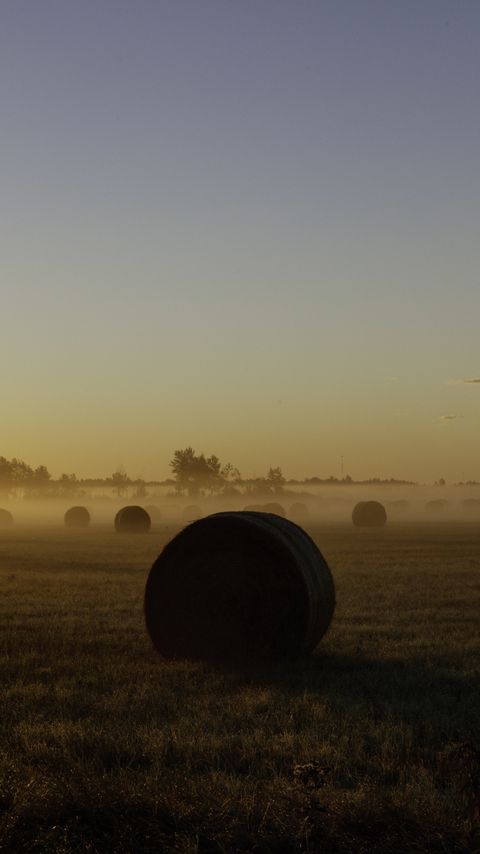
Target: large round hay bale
{"type": "Point", "coordinates": [239, 588]}
{"type": "Point", "coordinates": [132, 520]}
{"type": "Point", "coordinates": [77, 517]}
{"type": "Point", "coordinates": [6, 518]}
{"type": "Point", "coordinates": [369, 514]}
{"type": "Point", "coordinates": [437, 505]}
{"type": "Point", "coordinates": [154, 512]}
{"type": "Point", "coordinates": [191, 512]}
{"type": "Point", "coordinates": [298, 512]}
{"type": "Point", "coordinates": [275, 508]}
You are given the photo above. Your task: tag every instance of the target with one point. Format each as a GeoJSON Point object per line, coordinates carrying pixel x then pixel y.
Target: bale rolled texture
{"type": "Point", "coordinates": [6, 518]}
{"type": "Point", "coordinates": [239, 588]}
{"type": "Point", "coordinates": [132, 520]}
{"type": "Point", "coordinates": [77, 517]}
{"type": "Point", "coordinates": [275, 508]}
{"type": "Point", "coordinates": [369, 514]}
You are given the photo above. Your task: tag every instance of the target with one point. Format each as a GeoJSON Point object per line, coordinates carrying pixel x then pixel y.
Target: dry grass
{"type": "Point", "coordinates": [106, 748]}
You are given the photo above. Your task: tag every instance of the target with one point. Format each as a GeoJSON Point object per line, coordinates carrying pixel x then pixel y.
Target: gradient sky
{"type": "Point", "coordinates": [252, 226]}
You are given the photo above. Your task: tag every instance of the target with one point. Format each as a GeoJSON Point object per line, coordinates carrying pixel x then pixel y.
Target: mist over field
{"type": "Point", "coordinates": [327, 504]}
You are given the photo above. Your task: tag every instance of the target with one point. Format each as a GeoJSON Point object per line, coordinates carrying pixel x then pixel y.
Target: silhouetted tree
{"type": "Point", "coordinates": [18, 476]}
{"type": "Point", "coordinates": [120, 482]}
{"type": "Point", "coordinates": [196, 472]}
{"type": "Point", "coordinates": [41, 475]}
{"type": "Point", "coordinates": [140, 488]}
{"type": "Point", "coordinates": [69, 486]}
{"type": "Point", "coordinates": [275, 479]}
{"type": "Point", "coordinates": [6, 475]}
{"type": "Point", "coordinates": [38, 482]}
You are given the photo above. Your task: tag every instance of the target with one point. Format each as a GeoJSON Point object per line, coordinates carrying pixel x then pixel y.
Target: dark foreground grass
{"type": "Point", "coordinates": [107, 748]}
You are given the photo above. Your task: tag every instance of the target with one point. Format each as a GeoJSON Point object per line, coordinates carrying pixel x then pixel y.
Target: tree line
{"type": "Point", "coordinates": [193, 475]}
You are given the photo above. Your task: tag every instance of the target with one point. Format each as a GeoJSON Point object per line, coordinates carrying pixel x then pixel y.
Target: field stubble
{"type": "Point", "coordinates": [107, 748]}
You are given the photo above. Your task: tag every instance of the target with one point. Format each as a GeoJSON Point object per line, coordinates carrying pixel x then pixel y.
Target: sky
{"type": "Point", "coordinates": [250, 227]}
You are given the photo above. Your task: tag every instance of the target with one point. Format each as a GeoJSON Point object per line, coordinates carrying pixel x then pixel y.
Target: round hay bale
{"type": "Point", "coordinates": [239, 588]}
{"type": "Point", "coordinates": [77, 517]}
{"type": "Point", "coordinates": [438, 505]}
{"type": "Point", "coordinates": [6, 518]}
{"type": "Point", "coordinates": [191, 512]}
{"type": "Point", "coordinates": [275, 508]}
{"type": "Point", "coordinates": [154, 512]}
{"type": "Point", "coordinates": [369, 514]}
{"type": "Point", "coordinates": [298, 512]}
{"type": "Point", "coordinates": [132, 520]}
{"type": "Point", "coordinates": [253, 508]}
{"type": "Point", "coordinates": [471, 505]}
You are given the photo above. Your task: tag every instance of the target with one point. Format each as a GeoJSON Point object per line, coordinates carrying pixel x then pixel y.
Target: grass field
{"type": "Point", "coordinates": [107, 748]}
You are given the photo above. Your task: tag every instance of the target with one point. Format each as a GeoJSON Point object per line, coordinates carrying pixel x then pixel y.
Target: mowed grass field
{"type": "Point", "coordinates": [105, 747]}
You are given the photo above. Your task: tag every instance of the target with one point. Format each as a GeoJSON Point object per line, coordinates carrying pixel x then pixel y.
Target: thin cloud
{"type": "Point", "coordinates": [391, 379]}
{"type": "Point", "coordinates": [465, 381]}
{"type": "Point", "coordinates": [450, 417]}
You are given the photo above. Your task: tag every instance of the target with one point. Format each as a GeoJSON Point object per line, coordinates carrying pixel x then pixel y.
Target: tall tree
{"type": "Point", "coordinates": [195, 473]}
{"type": "Point", "coordinates": [120, 482]}
{"type": "Point", "coordinates": [6, 475]}
{"type": "Point", "coordinates": [275, 479]}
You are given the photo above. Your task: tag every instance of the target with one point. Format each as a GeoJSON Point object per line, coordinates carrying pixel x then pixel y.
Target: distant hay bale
{"type": "Point", "coordinates": [369, 514]}
{"type": "Point", "coordinates": [438, 505]}
{"type": "Point", "coordinates": [154, 512]}
{"type": "Point", "coordinates": [239, 588]}
{"type": "Point", "coordinates": [298, 512]}
{"type": "Point", "coordinates": [191, 512]}
{"type": "Point", "coordinates": [132, 520]}
{"type": "Point", "coordinates": [253, 508]}
{"type": "Point", "coordinates": [6, 518]}
{"type": "Point", "coordinates": [275, 508]}
{"type": "Point", "coordinates": [77, 517]}
{"type": "Point", "coordinates": [471, 505]}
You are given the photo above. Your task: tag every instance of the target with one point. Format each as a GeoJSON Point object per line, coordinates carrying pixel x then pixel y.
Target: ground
{"type": "Point", "coordinates": [368, 746]}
